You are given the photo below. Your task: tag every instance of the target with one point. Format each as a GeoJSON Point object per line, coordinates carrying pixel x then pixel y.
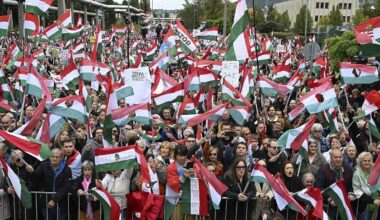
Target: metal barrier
{"type": "Point", "coordinates": [229, 209]}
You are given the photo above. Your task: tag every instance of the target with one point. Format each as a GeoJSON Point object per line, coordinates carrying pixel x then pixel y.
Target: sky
{"type": "Point", "coordinates": [167, 4]}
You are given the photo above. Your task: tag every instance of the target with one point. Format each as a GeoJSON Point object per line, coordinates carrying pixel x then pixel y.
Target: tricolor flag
{"type": "Point", "coordinates": [122, 91]}
{"type": "Point", "coordinates": [271, 88]}
{"type": "Point", "coordinates": [151, 51]}
{"type": "Point", "coordinates": [194, 198]}
{"type": "Point", "coordinates": [36, 86]}
{"type": "Point", "coordinates": [28, 128]}
{"type": "Point", "coordinates": [111, 208]}
{"type": "Point", "coordinates": [5, 108]}
{"type": "Point", "coordinates": [53, 31]}
{"type": "Point", "coordinates": [296, 79]}
{"type": "Point", "coordinates": [139, 113]}
{"type": "Point", "coordinates": [240, 114]}
{"type": "Point", "coordinates": [65, 19]}
{"type": "Point", "coordinates": [162, 82]}
{"type": "Point", "coordinates": [4, 25]}
{"type": "Point", "coordinates": [371, 103]}
{"type": "Point", "coordinates": [230, 93]}
{"type": "Point", "coordinates": [70, 107]}
{"type": "Point", "coordinates": [368, 36]}
{"type": "Point", "coordinates": [321, 98]}
{"type": "Point", "coordinates": [120, 30]}
{"type": "Point", "coordinates": [29, 145]}
{"type": "Point", "coordinates": [109, 159]}
{"type": "Point", "coordinates": [283, 198]}
{"type": "Point", "coordinates": [262, 57]}
{"type": "Point", "coordinates": [111, 105]}
{"type": "Point", "coordinates": [186, 107]}
{"type": "Point", "coordinates": [162, 62]}
{"type": "Point", "coordinates": [166, 98]}
{"type": "Point", "coordinates": [297, 137]}
{"type": "Point", "coordinates": [5, 93]}
{"type": "Point", "coordinates": [72, 33]}
{"type": "Point", "coordinates": [187, 42]}
{"type": "Point", "coordinates": [313, 196]}
{"type": "Point", "coordinates": [89, 69]}
{"type": "Point", "coordinates": [31, 24]}
{"type": "Point", "coordinates": [168, 43]}
{"type": "Point", "coordinates": [51, 126]}
{"type": "Point", "coordinates": [246, 85]}
{"type": "Point", "coordinates": [78, 47]}
{"type": "Point", "coordinates": [18, 185]}
{"type": "Point", "coordinates": [374, 180]}
{"type": "Point", "coordinates": [238, 44]}
{"type": "Point", "coordinates": [373, 127]}
{"type": "Point", "coordinates": [37, 7]}
{"type": "Point", "coordinates": [337, 192]}
{"type": "Point", "coordinates": [209, 34]}
{"type": "Point", "coordinates": [281, 73]}
{"type": "Point", "coordinates": [14, 52]}
{"type": "Point", "coordinates": [97, 49]}
{"type": "Point", "coordinates": [39, 55]}
{"type": "Point", "coordinates": [171, 199]}
{"type": "Point", "coordinates": [70, 76]}
{"type": "Point", "coordinates": [358, 73]}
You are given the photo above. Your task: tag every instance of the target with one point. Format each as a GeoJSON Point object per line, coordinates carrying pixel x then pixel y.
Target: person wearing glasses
{"type": "Point", "coordinates": [274, 157]}
{"type": "Point", "coordinates": [240, 191]}
{"type": "Point", "coordinates": [211, 156]}
{"type": "Point", "coordinates": [316, 133]}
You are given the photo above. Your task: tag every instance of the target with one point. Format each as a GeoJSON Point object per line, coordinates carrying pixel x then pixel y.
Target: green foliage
{"type": "Point", "coordinates": [284, 19]}
{"type": "Point", "coordinates": [359, 17]}
{"type": "Point", "coordinates": [214, 9]}
{"type": "Point", "coordinates": [110, 17]}
{"type": "Point", "coordinates": [336, 17]}
{"type": "Point", "coordinates": [273, 15]}
{"type": "Point", "coordinates": [134, 3]}
{"type": "Point", "coordinates": [259, 16]}
{"type": "Point", "coordinates": [341, 48]}
{"type": "Point", "coordinates": [299, 24]}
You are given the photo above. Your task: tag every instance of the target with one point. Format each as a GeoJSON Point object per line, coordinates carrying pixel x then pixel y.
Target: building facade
{"type": "Point", "coordinates": [319, 8]}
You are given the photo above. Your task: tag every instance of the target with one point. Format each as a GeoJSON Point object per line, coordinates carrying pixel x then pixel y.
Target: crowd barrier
{"type": "Point", "coordinates": [73, 204]}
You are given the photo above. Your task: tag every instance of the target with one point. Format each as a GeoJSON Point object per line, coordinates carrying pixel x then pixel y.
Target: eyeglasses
{"type": "Point", "coordinates": [240, 167]}
{"type": "Point", "coordinates": [213, 154]}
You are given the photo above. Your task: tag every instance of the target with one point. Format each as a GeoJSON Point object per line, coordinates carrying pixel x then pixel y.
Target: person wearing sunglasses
{"type": "Point", "coordinates": [240, 191]}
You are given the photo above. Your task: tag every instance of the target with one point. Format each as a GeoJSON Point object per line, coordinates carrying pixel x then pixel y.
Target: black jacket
{"type": "Point", "coordinates": [77, 184]}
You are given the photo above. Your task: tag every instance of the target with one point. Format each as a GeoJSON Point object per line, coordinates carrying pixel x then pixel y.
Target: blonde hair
{"type": "Point", "coordinates": [166, 144]}
{"type": "Point", "coordinates": [361, 157]}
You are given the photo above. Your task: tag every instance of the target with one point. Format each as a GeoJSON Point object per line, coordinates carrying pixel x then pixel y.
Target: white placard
{"type": "Point", "coordinates": [230, 72]}
{"type": "Point", "coordinates": [139, 79]}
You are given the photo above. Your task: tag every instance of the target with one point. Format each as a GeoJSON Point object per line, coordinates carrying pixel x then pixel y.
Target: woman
{"type": "Point", "coordinates": [368, 201]}
{"type": "Point", "coordinates": [334, 144]}
{"type": "Point", "coordinates": [312, 162]}
{"type": "Point", "coordinates": [62, 135]}
{"type": "Point", "coordinates": [211, 155]}
{"type": "Point", "coordinates": [240, 191]}
{"type": "Point", "coordinates": [241, 151]}
{"type": "Point", "coordinates": [89, 209]}
{"type": "Point", "coordinates": [349, 156]}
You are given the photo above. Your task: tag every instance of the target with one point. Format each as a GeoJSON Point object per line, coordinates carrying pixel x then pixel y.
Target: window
{"type": "Point", "coordinates": [339, 6]}
{"type": "Point", "coordinates": [344, 18]}
{"type": "Point", "coordinates": [322, 5]}
{"type": "Point", "coordinates": [316, 18]}
{"type": "Point", "coordinates": [349, 5]}
{"type": "Point", "coordinates": [327, 5]}
{"type": "Point", "coordinates": [348, 19]}
{"type": "Point", "coordinates": [345, 6]}
{"type": "Point", "coordinates": [317, 5]}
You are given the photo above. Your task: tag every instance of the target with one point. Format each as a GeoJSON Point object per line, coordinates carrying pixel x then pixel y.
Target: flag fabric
{"type": "Point", "coordinates": [72, 33]}
{"type": "Point", "coordinates": [372, 127]}
{"type": "Point", "coordinates": [162, 62]}
{"type": "Point", "coordinates": [51, 126]}
{"type": "Point", "coordinates": [14, 52]}
{"type": "Point", "coordinates": [39, 55]}
{"type": "Point", "coordinates": [282, 196]}
{"type": "Point", "coordinates": [162, 81]}
{"type": "Point", "coordinates": [321, 98]}
{"type": "Point", "coordinates": [296, 79]}
{"type": "Point", "coordinates": [337, 192]}
{"type": "Point", "coordinates": [209, 34]}
{"type": "Point", "coordinates": [187, 42]}
{"type": "Point", "coordinates": [373, 179]}
{"type": "Point", "coordinates": [36, 86]}
{"type": "Point", "coordinates": [111, 105]}
{"type": "Point", "coordinates": [166, 98]}
{"type": "Point", "coordinates": [313, 196]}
{"type": "Point", "coordinates": [230, 93]}
{"type": "Point", "coordinates": [238, 44]}
{"type": "Point", "coordinates": [371, 103]}
{"type": "Point", "coordinates": [358, 73]}
{"type": "Point", "coordinates": [31, 24]}
{"type": "Point", "coordinates": [70, 76]}
{"type": "Point", "coordinates": [65, 19]}
{"type": "Point", "coordinates": [78, 47]}
{"type": "Point", "coordinates": [171, 199]}
{"type": "Point", "coordinates": [4, 25]}
{"type": "Point", "coordinates": [281, 73]}
{"type": "Point", "coordinates": [38, 7]}
{"type": "Point", "coordinates": [53, 31]}
{"type": "Point", "coordinates": [151, 51]}
{"type": "Point", "coordinates": [70, 107]}
{"type": "Point", "coordinates": [18, 185]}
{"type": "Point", "coordinates": [168, 43]}
{"type": "Point", "coordinates": [109, 159]}
{"type": "Point", "coordinates": [111, 208]}
{"type": "Point", "coordinates": [29, 145]}
{"type": "Point", "coordinates": [97, 49]}
{"type": "Point", "coordinates": [139, 113]}
{"type": "Point", "coordinates": [89, 69]}
{"type": "Point", "coordinates": [28, 128]}
{"type": "Point", "coordinates": [297, 137]}
{"type": "Point", "coordinates": [262, 57]}
{"type": "Point", "coordinates": [240, 114]}
{"type": "Point", "coordinates": [270, 88]}
{"type": "Point", "coordinates": [367, 35]}
{"type": "Point", "coordinates": [194, 198]}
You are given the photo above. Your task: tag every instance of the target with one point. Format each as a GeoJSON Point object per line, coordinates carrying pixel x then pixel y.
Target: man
{"type": "Point", "coordinates": [166, 115]}
{"type": "Point", "coordinates": [29, 111]}
{"type": "Point", "coordinates": [331, 173]}
{"type": "Point", "coordinates": [72, 158]}
{"type": "Point", "coordinates": [274, 158]}
{"type": "Point", "coordinates": [316, 133]}
{"type": "Point", "coordinates": [226, 148]}
{"type": "Point", "coordinates": [97, 142]}
{"type": "Point", "coordinates": [53, 176]}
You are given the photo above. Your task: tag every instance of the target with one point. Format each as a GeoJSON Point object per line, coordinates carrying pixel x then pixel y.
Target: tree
{"type": "Point", "coordinates": [110, 17]}
{"type": "Point", "coordinates": [284, 19]}
{"type": "Point", "coordinates": [214, 9]}
{"type": "Point", "coordinates": [369, 9]}
{"type": "Point", "coordinates": [299, 24]}
{"type": "Point", "coordinates": [341, 48]}
{"type": "Point", "coordinates": [359, 17]}
{"type": "Point", "coordinates": [273, 15]}
{"type": "Point", "coordinates": [336, 18]}
{"type": "Point", "coordinates": [134, 3]}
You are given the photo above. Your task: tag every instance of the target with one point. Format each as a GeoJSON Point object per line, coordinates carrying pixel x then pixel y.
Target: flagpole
{"type": "Point", "coordinates": [299, 167]}
{"type": "Point", "coordinates": [345, 94]}
{"type": "Point", "coordinates": [22, 107]}
{"type": "Point", "coordinates": [341, 118]}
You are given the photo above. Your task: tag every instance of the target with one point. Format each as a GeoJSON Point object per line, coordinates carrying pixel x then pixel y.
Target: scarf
{"type": "Point", "coordinates": [86, 185]}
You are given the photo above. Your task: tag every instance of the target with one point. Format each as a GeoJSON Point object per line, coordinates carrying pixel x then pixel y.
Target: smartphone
{"type": "Point", "coordinates": [231, 133]}
{"type": "Point", "coordinates": [189, 165]}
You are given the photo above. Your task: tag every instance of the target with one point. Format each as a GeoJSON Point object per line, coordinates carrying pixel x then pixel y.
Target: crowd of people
{"type": "Point", "coordinates": [227, 149]}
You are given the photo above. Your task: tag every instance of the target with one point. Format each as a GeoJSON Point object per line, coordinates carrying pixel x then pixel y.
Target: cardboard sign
{"type": "Point", "coordinates": [139, 79]}
{"type": "Point", "coordinates": [230, 72]}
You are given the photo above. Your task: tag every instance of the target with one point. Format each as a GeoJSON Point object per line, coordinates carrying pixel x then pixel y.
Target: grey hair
{"type": "Point", "coordinates": [362, 155]}
{"type": "Point", "coordinates": [316, 126]}
{"type": "Point", "coordinates": [56, 150]}
{"type": "Point", "coordinates": [87, 165]}
{"type": "Point", "coordinates": [306, 175]}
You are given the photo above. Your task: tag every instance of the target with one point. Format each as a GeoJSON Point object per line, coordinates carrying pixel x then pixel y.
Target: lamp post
{"type": "Point", "coordinates": [225, 19]}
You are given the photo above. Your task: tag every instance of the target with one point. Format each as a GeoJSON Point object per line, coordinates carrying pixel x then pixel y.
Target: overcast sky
{"type": "Point", "coordinates": [163, 4]}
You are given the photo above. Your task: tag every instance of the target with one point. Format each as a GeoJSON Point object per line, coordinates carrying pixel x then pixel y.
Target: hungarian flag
{"type": "Point", "coordinates": [6, 93]}
{"type": "Point", "coordinates": [5, 108]}
{"type": "Point", "coordinates": [65, 19]}
{"type": "Point", "coordinates": [313, 196]}
{"type": "Point", "coordinates": [281, 73]}
{"type": "Point", "coordinates": [162, 62]}
{"type": "Point", "coordinates": [36, 86]}
{"type": "Point", "coordinates": [186, 107]}
{"type": "Point", "coordinates": [374, 180]}
{"type": "Point", "coordinates": [14, 52]}
{"type": "Point", "coordinates": [78, 47]}
{"type": "Point", "coordinates": [372, 127]}
{"type": "Point", "coordinates": [262, 58]}
{"type": "Point", "coordinates": [238, 44]}
{"type": "Point", "coordinates": [139, 113]}
{"type": "Point", "coordinates": [297, 137]}
{"type": "Point", "coordinates": [72, 33]}
{"type": "Point", "coordinates": [39, 55]}
{"type": "Point", "coordinates": [371, 103]}
{"type": "Point", "coordinates": [230, 93]}
{"type": "Point", "coordinates": [296, 79]}
{"type": "Point", "coordinates": [283, 198]}
{"type": "Point", "coordinates": [358, 73]}
{"type": "Point", "coordinates": [337, 192]}
{"type": "Point", "coordinates": [214, 65]}
{"type": "Point", "coordinates": [271, 88]}
{"type": "Point", "coordinates": [31, 24]}
{"type": "Point", "coordinates": [122, 91]}
{"type": "Point", "coordinates": [321, 98]}
{"type": "Point", "coordinates": [111, 105]}
{"type": "Point", "coordinates": [18, 184]}
{"type": "Point", "coordinates": [109, 159]}
{"type": "Point", "coordinates": [171, 199]}
{"type": "Point", "coordinates": [214, 115]}
{"type": "Point", "coordinates": [51, 126]}
{"type": "Point", "coordinates": [28, 128]}
{"type": "Point", "coordinates": [4, 25]}
{"type": "Point", "coordinates": [215, 52]}
{"type": "Point", "coordinates": [162, 82]}
{"type": "Point", "coordinates": [187, 42]}
{"type": "Point", "coordinates": [165, 99]}
{"type": "Point", "coordinates": [149, 205]}
{"type": "Point", "coordinates": [240, 114]}
{"type": "Point", "coordinates": [120, 30]}
{"type": "Point", "coordinates": [209, 34]}
{"type": "Point", "coordinates": [29, 145]}
{"type": "Point", "coordinates": [70, 76]}
{"type": "Point", "coordinates": [89, 69]}
{"type": "Point", "coordinates": [194, 198]}
{"type": "Point", "coordinates": [38, 7]}
{"type": "Point", "coordinates": [71, 107]}
{"type": "Point", "coordinates": [168, 43]}
{"type": "Point", "coordinates": [151, 51]}
{"type": "Point", "coordinates": [368, 36]}
{"type": "Point", "coordinates": [97, 49]}
{"type": "Point", "coordinates": [53, 31]}
{"type": "Point", "coordinates": [111, 208]}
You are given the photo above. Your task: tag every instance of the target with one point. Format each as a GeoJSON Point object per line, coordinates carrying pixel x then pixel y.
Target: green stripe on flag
{"type": "Point", "coordinates": [125, 164]}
